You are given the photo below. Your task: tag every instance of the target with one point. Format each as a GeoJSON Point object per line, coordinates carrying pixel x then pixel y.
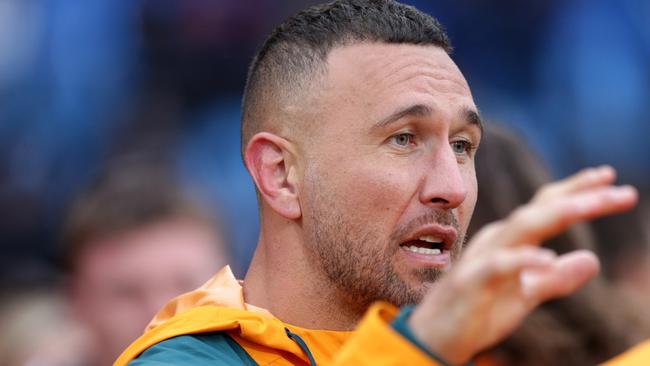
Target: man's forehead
{"type": "Point", "coordinates": [382, 54]}
{"type": "Point", "coordinates": [375, 66]}
{"type": "Point", "coordinates": [380, 49]}
{"type": "Point", "coordinates": [380, 78]}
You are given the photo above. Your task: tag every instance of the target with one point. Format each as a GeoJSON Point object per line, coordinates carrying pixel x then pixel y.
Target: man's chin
{"type": "Point", "coordinates": [415, 286]}
{"type": "Point", "coordinates": [428, 276]}
{"type": "Point", "coordinates": [422, 279]}
{"type": "Point", "coordinates": [414, 297]}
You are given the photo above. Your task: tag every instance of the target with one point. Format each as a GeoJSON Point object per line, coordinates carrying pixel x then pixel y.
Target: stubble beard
{"type": "Point", "coordinates": [359, 264]}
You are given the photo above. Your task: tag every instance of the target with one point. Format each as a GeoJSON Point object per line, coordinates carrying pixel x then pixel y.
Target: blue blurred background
{"type": "Point", "coordinates": [82, 82]}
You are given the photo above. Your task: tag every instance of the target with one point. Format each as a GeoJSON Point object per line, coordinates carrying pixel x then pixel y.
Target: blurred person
{"type": "Point", "coordinates": [37, 329]}
{"type": "Point", "coordinates": [624, 243]}
{"type": "Point", "coordinates": [360, 134]}
{"type": "Point", "coordinates": [133, 241]}
{"type": "Point", "coordinates": [587, 328]}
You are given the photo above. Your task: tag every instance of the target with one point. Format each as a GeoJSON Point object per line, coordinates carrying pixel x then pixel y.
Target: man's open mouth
{"type": "Point", "coordinates": [426, 244]}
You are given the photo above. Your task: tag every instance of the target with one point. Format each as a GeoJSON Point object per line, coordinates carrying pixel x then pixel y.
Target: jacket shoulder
{"type": "Point", "coordinates": [215, 348]}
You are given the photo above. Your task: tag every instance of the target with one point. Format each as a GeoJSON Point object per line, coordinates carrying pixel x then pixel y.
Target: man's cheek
{"type": "Point", "coordinates": [382, 193]}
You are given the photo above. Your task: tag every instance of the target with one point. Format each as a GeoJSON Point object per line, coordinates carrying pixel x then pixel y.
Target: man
{"type": "Point", "coordinates": [133, 240]}
{"type": "Point", "coordinates": [360, 134]}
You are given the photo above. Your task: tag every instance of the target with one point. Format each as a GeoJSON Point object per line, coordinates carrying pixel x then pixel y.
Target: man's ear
{"type": "Point", "coordinates": [271, 162]}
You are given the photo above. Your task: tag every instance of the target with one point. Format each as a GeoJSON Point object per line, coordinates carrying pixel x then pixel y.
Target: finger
{"type": "Point", "coordinates": [507, 263]}
{"type": "Point", "coordinates": [569, 272]}
{"type": "Point", "coordinates": [534, 223]}
{"type": "Point", "coordinates": [484, 240]}
{"type": "Point", "coordinates": [585, 179]}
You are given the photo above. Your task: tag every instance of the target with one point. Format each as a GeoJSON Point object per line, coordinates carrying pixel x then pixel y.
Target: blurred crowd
{"type": "Point", "coordinates": [122, 186]}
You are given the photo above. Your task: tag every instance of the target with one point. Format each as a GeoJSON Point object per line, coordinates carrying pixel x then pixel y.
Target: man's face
{"type": "Point", "coordinates": [389, 182]}
{"type": "Point", "coordinates": [123, 280]}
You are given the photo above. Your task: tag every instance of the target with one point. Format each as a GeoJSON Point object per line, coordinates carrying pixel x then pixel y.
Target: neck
{"type": "Point", "coordinates": [286, 280]}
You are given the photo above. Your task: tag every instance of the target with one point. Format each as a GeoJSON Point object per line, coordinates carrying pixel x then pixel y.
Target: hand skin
{"type": "Point", "coordinates": [504, 274]}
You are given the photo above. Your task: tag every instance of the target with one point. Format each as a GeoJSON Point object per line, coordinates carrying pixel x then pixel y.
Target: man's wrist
{"type": "Point", "coordinates": [400, 324]}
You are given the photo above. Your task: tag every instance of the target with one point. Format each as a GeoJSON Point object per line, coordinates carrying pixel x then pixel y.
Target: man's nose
{"type": "Point", "coordinates": [444, 185]}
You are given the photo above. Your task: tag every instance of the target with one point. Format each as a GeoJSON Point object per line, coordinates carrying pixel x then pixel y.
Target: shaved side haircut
{"type": "Point", "coordinates": [294, 55]}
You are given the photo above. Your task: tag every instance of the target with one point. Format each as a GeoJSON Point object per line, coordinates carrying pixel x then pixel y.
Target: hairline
{"type": "Point", "coordinates": [320, 67]}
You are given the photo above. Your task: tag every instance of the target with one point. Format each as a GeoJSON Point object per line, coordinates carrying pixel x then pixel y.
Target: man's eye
{"type": "Point", "coordinates": [402, 139]}
{"type": "Point", "coordinates": [461, 147]}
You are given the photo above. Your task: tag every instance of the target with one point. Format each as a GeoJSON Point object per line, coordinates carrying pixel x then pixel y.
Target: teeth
{"type": "Point", "coordinates": [421, 250]}
{"type": "Point", "coordinates": [430, 239]}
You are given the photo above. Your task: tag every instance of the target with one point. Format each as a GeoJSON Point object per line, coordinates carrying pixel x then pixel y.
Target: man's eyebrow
{"type": "Point", "coordinates": [473, 118]}
{"type": "Point", "coordinates": [417, 110]}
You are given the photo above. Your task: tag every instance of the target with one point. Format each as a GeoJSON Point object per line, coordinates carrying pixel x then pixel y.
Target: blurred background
{"type": "Point", "coordinates": [86, 85]}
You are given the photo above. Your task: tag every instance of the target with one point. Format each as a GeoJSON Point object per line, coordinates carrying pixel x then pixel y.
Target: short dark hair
{"type": "Point", "coordinates": [296, 51]}
{"type": "Point", "coordinates": [128, 195]}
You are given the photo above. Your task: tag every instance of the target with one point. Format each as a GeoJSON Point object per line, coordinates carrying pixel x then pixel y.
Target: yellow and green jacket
{"type": "Point", "coordinates": [214, 326]}
{"type": "Point", "coordinates": [636, 356]}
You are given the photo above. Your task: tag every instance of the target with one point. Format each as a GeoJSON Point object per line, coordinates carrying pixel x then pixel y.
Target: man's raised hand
{"type": "Point", "coordinates": [504, 274]}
